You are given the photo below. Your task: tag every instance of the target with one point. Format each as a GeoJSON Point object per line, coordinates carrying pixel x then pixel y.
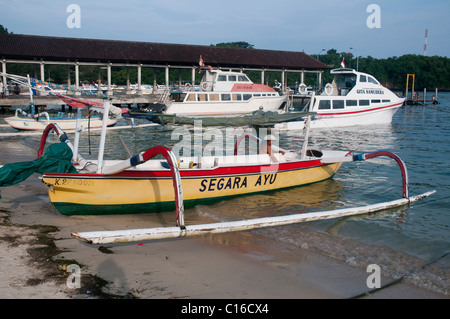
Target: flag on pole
{"type": "Point", "coordinates": [200, 64]}
{"type": "Point", "coordinates": [343, 63]}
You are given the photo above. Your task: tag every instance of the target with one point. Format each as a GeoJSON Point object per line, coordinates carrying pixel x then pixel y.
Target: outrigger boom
{"type": "Point", "coordinates": [133, 235]}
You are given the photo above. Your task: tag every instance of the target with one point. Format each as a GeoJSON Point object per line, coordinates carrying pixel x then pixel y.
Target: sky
{"type": "Point", "coordinates": [395, 27]}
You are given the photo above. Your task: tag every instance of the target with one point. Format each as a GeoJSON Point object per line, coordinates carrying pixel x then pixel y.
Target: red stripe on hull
{"type": "Point", "coordinates": [220, 171]}
{"type": "Point", "coordinates": [362, 111]}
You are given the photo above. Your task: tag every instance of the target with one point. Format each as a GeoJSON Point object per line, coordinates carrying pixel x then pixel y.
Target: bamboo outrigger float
{"type": "Point", "coordinates": [132, 235]}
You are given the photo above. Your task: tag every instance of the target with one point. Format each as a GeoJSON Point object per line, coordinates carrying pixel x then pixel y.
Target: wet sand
{"type": "Point", "coordinates": [226, 266]}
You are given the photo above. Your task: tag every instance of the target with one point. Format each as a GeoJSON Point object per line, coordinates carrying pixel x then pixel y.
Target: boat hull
{"type": "Point", "coordinates": [141, 191]}
{"type": "Point", "coordinates": [228, 108]}
{"type": "Point", "coordinates": [368, 116]}
{"type": "Point", "coordinates": [67, 124]}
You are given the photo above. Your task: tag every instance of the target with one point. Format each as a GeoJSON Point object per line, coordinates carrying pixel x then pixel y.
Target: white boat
{"type": "Point", "coordinates": [68, 122]}
{"type": "Point", "coordinates": [45, 90]}
{"type": "Point", "coordinates": [223, 93]}
{"type": "Point", "coordinates": [353, 98]}
{"type": "Point", "coordinates": [34, 121]}
{"type": "Point", "coordinates": [145, 89]}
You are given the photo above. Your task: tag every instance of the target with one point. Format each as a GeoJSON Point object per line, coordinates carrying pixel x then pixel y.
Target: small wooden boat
{"type": "Point", "coordinates": [148, 187]}
{"type": "Point", "coordinates": [38, 122]}
{"type": "Point", "coordinates": [142, 184]}
{"type": "Point", "coordinates": [35, 121]}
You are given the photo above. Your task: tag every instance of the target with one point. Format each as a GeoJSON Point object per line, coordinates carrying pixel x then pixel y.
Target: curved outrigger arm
{"type": "Point", "coordinates": [61, 135]}
{"type": "Point", "coordinates": [365, 156]}
{"type": "Point", "coordinates": [147, 155]}
{"type": "Point", "coordinates": [77, 159]}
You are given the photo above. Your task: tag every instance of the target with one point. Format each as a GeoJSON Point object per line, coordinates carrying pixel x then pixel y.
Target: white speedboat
{"type": "Point", "coordinates": [353, 98]}
{"type": "Point", "coordinates": [223, 93]}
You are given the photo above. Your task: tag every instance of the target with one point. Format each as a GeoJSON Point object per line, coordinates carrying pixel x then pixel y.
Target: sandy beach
{"type": "Point", "coordinates": [226, 266]}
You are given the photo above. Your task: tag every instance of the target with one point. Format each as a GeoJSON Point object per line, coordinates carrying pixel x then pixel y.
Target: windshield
{"type": "Point", "coordinates": [345, 81]}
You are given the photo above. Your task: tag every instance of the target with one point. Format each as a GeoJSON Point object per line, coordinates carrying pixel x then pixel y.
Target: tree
{"type": "Point", "coordinates": [4, 30]}
{"type": "Point", "coordinates": [238, 44]}
{"type": "Point", "coordinates": [430, 72]}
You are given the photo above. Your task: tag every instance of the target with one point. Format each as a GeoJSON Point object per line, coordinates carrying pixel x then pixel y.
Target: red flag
{"type": "Point", "coordinates": [77, 102]}
{"type": "Point", "coordinates": [343, 63]}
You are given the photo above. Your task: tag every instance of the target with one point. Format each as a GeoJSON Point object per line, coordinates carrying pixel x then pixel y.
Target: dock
{"type": "Point", "coordinates": [126, 100]}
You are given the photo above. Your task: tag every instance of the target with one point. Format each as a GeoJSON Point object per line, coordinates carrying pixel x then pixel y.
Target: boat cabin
{"type": "Point", "coordinates": [218, 80]}
{"type": "Point", "coordinates": [346, 79]}
{"type": "Point", "coordinates": [224, 86]}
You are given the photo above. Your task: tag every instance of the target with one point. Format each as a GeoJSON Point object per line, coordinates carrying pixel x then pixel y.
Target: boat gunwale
{"type": "Point", "coordinates": [219, 171]}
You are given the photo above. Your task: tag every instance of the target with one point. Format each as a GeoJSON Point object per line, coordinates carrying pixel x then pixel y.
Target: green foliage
{"type": "Point", "coordinates": [238, 44]}
{"type": "Point", "coordinates": [4, 30]}
{"type": "Point", "coordinates": [430, 71]}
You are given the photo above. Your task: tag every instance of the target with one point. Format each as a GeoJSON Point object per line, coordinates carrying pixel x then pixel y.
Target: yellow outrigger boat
{"type": "Point", "coordinates": [148, 186]}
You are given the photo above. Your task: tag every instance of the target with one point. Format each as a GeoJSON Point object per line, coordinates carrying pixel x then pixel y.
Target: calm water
{"type": "Point", "coordinates": [412, 240]}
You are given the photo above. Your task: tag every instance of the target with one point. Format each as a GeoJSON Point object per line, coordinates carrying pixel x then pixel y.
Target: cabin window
{"type": "Point", "coordinates": [222, 78]}
{"type": "Point", "coordinates": [376, 101]}
{"type": "Point", "coordinates": [191, 98]}
{"type": "Point", "coordinates": [247, 96]}
{"type": "Point", "coordinates": [364, 102]}
{"type": "Point", "coordinates": [338, 104]}
{"type": "Point", "coordinates": [256, 94]}
{"type": "Point", "coordinates": [324, 104]}
{"type": "Point", "coordinates": [372, 80]}
{"type": "Point", "coordinates": [202, 97]}
{"type": "Point", "coordinates": [178, 97]}
{"type": "Point", "coordinates": [362, 78]}
{"type": "Point", "coordinates": [345, 82]}
{"type": "Point", "coordinates": [237, 97]}
{"type": "Point", "coordinates": [226, 97]}
{"type": "Point", "coordinates": [214, 97]}
{"type": "Point", "coordinates": [386, 101]}
{"type": "Point", "coordinates": [352, 103]}
{"type": "Point", "coordinates": [243, 78]}
{"type": "Point", "coordinates": [232, 78]}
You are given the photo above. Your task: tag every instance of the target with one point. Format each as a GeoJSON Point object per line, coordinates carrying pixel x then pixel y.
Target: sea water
{"type": "Point", "coordinates": [412, 241]}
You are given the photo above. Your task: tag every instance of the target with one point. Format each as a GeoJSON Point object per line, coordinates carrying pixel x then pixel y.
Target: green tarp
{"type": "Point", "coordinates": [258, 118]}
{"type": "Point", "coordinates": [57, 159]}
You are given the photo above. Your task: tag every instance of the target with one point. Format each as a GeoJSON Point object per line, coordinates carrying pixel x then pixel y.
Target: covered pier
{"type": "Point", "coordinates": [44, 51]}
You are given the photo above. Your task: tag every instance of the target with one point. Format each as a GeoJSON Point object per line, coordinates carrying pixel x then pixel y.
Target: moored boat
{"type": "Point", "coordinates": [142, 184]}
{"type": "Point", "coordinates": [353, 98]}
{"type": "Point", "coordinates": [67, 122]}
{"type": "Point", "coordinates": [148, 186]}
{"type": "Point", "coordinates": [222, 93]}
